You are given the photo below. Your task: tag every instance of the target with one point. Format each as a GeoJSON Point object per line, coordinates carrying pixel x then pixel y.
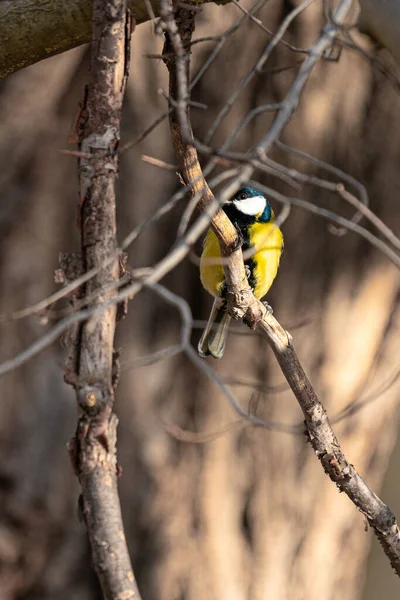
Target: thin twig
{"type": "Point", "coordinates": [154, 274]}
{"type": "Point", "coordinates": [316, 52]}
{"type": "Point", "coordinates": [321, 435]}
{"type": "Point", "coordinates": [222, 39]}
{"type": "Point", "coordinates": [334, 218]}
{"type": "Point", "coordinates": [156, 162]}
{"type": "Point", "coordinates": [70, 287]}
{"type": "Point", "coordinates": [260, 24]}
{"type": "Point", "coordinates": [259, 65]}
{"type": "Point", "coordinates": [203, 366]}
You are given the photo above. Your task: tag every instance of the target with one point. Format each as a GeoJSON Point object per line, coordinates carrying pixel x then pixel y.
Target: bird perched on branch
{"type": "Point", "coordinates": [251, 213]}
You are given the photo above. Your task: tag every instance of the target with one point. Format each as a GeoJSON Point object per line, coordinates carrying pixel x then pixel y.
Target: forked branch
{"type": "Point", "coordinates": [243, 303]}
{"type": "Point", "coordinates": [33, 31]}
{"type": "Point", "coordinates": [240, 295]}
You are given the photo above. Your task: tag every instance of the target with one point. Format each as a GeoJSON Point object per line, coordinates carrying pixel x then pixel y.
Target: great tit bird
{"type": "Point", "coordinates": [251, 213]}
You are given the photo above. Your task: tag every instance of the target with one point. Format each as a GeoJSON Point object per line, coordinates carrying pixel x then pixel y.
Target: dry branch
{"type": "Point", "coordinates": [326, 445]}
{"type": "Point", "coordinates": [30, 32]}
{"type": "Point", "coordinates": [242, 302]}
{"type": "Point", "coordinates": [239, 291]}
{"type": "Point", "coordinates": [92, 359]}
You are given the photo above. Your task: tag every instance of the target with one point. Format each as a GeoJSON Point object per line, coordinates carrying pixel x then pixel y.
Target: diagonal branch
{"type": "Point", "coordinates": [92, 358]}
{"type": "Point", "coordinates": [31, 31]}
{"type": "Point", "coordinates": [239, 291]}
{"type": "Point", "coordinates": [242, 301]}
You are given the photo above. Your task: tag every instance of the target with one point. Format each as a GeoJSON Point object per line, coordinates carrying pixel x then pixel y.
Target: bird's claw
{"type": "Point", "coordinates": [268, 307]}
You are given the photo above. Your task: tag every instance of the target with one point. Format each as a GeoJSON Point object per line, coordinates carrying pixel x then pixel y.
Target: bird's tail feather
{"type": "Point", "coordinates": [213, 340]}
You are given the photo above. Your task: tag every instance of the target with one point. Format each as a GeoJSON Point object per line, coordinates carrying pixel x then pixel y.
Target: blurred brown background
{"type": "Point", "coordinates": [249, 514]}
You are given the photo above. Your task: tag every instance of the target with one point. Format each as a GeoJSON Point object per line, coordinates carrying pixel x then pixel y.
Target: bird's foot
{"type": "Point", "coordinates": [268, 307]}
{"type": "Point", "coordinates": [247, 271]}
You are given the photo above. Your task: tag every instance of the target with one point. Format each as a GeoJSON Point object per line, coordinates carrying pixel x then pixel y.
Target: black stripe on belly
{"type": "Point", "coordinates": [250, 262]}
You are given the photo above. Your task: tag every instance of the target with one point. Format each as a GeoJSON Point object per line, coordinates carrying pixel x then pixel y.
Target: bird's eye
{"type": "Point", "coordinates": [243, 196]}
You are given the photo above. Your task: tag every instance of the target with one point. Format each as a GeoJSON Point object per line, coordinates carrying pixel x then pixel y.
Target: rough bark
{"type": "Point", "coordinates": [319, 431]}
{"type": "Point", "coordinates": [31, 32]}
{"type": "Point", "coordinates": [258, 516]}
{"type": "Point", "coordinates": [93, 363]}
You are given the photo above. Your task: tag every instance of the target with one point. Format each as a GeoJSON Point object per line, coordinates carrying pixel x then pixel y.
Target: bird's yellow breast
{"type": "Point", "coordinates": [264, 239]}
{"type": "Point", "coordinates": [267, 240]}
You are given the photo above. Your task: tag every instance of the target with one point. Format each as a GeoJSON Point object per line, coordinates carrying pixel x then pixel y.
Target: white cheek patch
{"type": "Point", "coordinates": [251, 206]}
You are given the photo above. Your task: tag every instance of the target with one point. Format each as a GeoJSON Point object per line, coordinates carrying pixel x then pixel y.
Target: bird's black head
{"type": "Point", "coordinates": [248, 206]}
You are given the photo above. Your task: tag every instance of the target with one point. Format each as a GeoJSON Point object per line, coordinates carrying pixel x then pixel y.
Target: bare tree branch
{"type": "Point", "coordinates": [326, 445]}
{"type": "Point", "coordinates": [93, 368]}
{"type": "Point", "coordinates": [193, 177]}
{"type": "Point", "coordinates": [257, 67]}
{"type": "Point", "coordinates": [30, 32]}
{"type": "Point", "coordinates": [92, 358]}
{"type": "Point", "coordinates": [140, 276]}
{"type": "Point", "coordinates": [334, 218]}
{"type": "Point", "coordinates": [243, 303]}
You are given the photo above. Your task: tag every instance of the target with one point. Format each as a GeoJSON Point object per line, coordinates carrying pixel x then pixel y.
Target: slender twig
{"type": "Point", "coordinates": [192, 205]}
{"type": "Point", "coordinates": [339, 173]}
{"type": "Point", "coordinates": [156, 162]}
{"type": "Point", "coordinates": [260, 24]}
{"type": "Point", "coordinates": [133, 235]}
{"type": "Point", "coordinates": [222, 39]}
{"type": "Point", "coordinates": [180, 250]}
{"type": "Point", "coordinates": [255, 112]}
{"type": "Point", "coordinates": [144, 133]}
{"type": "Point", "coordinates": [203, 366]}
{"type": "Point", "coordinates": [355, 406]}
{"type": "Point", "coordinates": [329, 33]}
{"type": "Point", "coordinates": [320, 433]}
{"type": "Point", "coordinates": [151, 359]}
{"type": "Point", "coordinates": [201, 437]}
{"type": "Point", "coordinates": [334, 218]}
{"type": "Point", "coordinates": [259, 65]}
